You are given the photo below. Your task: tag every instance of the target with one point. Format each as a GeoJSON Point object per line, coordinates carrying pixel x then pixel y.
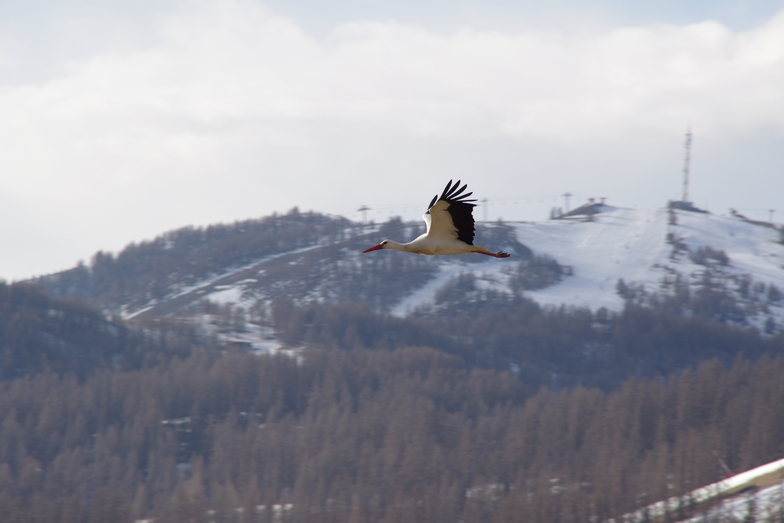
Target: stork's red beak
{"type": "Point", "coordinates": [377, 247]}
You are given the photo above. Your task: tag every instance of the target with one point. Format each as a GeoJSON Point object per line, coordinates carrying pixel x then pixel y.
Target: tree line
{"type": "Point", "coordinates": [554, 347]}
{"type": "Point", "coordinates": [503, 411]}
{"type": "Point", "coordinates": [67, 336]}
{"type": "Point", "coordinates": [410, 434]}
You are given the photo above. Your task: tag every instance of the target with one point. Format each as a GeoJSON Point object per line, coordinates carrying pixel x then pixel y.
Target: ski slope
{"type": "Point", "coordinates": [619, 244]}
{"type": "Point", "coordinates": [629, 244]}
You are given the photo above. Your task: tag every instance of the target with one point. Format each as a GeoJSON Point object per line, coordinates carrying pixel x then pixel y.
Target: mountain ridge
{"type": "Point", "coordinates": [724, 267]}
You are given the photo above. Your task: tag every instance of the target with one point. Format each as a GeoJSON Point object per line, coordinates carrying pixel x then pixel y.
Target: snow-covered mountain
{"type": "Point", "coordinates": [642, 247]}
{"type": "Point", "coordinates": [653, 251]}
{"type": "Point", "coordinates": [726, 267]}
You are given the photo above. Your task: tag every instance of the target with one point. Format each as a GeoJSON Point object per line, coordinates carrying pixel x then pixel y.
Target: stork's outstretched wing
{"type": "Point", "coordinates": [450, 216]}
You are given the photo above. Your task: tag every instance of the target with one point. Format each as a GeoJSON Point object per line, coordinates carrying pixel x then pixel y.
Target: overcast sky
{"type": "Point", "coordinates": [122, 119]}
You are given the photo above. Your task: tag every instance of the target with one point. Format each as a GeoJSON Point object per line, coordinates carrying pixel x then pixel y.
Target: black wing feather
{"type": "Point", "coordinates": [461, 209]}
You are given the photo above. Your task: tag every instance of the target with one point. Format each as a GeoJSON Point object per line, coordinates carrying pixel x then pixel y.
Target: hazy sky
{"type": "Point", "coordinates": [122, 119]}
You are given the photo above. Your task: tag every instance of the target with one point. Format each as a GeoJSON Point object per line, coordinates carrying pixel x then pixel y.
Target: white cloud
{"type": "Point", "coordinates": [229, 111]}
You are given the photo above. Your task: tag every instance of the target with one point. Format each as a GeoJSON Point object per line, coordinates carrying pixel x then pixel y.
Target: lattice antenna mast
{"type": "Point", "coordinates": [686, 163]}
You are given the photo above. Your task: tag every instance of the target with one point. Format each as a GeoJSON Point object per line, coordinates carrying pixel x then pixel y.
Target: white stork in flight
{"type": "Point", "coordinates": [450, 227]}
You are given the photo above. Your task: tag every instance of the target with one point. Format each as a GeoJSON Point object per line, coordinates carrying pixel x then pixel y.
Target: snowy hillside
{"type": "Point", "coordinates": [626, 244]}
{"type": "Point", "coordinates": [639, 246]}
{"type": "Point", "coordinates": [754, 495]}
{"type": "Point", "coordinates": [722, 267]}
{"type": "Point", "coordinates": [642, 248]}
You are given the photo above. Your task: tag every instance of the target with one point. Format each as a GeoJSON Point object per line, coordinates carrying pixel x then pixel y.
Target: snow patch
{"type": "Point", "coordinates": [491, 274]}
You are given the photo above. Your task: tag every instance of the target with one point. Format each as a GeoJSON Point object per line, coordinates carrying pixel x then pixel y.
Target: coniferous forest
{"type": "Point", "coordinates": [378, 419]}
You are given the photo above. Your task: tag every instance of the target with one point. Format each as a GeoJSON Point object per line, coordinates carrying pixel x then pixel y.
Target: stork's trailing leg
{"type": "Point", "coordinates": [498, 254]}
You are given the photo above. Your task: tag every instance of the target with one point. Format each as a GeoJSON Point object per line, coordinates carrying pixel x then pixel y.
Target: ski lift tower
{"type": "Point", "coordinates": [364, 209]}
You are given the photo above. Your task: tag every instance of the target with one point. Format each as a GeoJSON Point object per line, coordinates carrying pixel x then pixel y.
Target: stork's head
{"type": "Point", "coordinates": [383, 245]}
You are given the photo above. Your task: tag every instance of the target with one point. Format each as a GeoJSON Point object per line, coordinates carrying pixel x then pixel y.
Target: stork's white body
{"type": "Point", "coordinates": [450, 228]}
{"type": "Point", "coordinates": [425, 245]}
